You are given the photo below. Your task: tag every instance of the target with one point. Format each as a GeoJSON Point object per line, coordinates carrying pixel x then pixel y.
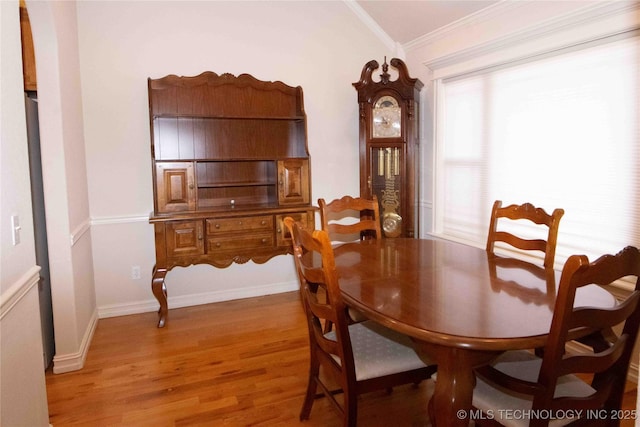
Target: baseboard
{"type": "Point", "coordinates": [74, 361]}
{"type": "Point", "coordinates": [151, 305]}
{"type": "Point", "coordinates": [227, 295]}
{"type": "Point", "coordinates": [632, 374]}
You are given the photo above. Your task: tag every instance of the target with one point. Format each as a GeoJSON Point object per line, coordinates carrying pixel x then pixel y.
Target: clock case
{"type": "Point", "coordinates": [389, 166]}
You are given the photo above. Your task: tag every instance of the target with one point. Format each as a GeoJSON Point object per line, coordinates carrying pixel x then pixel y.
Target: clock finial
{"type": "Point", "coordinates": [384, 77]}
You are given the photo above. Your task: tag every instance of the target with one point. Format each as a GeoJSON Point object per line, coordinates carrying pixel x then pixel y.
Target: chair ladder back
{"type": "Point", "coordinates": [611, 354]}
{"type": "Point", "coordinates": [368, 214]}
{"type": "Point", "coordinates": [535, 215]}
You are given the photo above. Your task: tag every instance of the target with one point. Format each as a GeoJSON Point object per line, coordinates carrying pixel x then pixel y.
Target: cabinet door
{"type": "Point", "coordinates": [293, 181]}
{"type": "Point", "coordinates": [282, 233]}
{"type": "Point", "coordinates": [175, 186]}
{"type": "Point", "coordinates": [184, 238]}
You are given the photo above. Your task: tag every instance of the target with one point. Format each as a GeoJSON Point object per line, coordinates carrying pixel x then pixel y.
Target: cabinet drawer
{"type": "Point", "coordinates": [226, 225]}
{"type": "Point", "coordinates": [229, 243]}
{"type": "Point", "coordinates": [283, 236]}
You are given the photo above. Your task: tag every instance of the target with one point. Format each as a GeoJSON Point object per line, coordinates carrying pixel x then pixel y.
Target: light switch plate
{"type": "Point", "coordinates": [15, 229]}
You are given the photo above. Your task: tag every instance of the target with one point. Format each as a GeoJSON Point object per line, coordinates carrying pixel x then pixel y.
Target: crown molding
{"type": "Point", "coordinates": [582, 16]}
{"type": "Point", "coordinates": [373, 26]}
{"type": "Point", "coordinates": [482, 15]}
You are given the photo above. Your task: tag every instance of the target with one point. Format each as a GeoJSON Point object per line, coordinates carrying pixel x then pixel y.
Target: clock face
{"type": "Point", "coordinates": [386, 117]}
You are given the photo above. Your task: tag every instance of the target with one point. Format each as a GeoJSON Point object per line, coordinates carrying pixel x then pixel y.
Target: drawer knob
{"type": "Point", "coordinates": [217, 225]}
{"type": "Point", "coordinates": [264, 240]}
{"type": "Point", "coordinates": [239, 222]}
{"type": "Point", "coordinates": [218, 245]}
{"type": "Point", "coordinates": [263, 222]}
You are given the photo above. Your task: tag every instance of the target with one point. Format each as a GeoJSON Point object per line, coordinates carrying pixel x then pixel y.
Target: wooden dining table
{"type": "Point", "coordinates": [461, 307]}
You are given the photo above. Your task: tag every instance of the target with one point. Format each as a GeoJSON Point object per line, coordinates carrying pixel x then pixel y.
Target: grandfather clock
{"type": "Point", "coordinates": [389, 161]}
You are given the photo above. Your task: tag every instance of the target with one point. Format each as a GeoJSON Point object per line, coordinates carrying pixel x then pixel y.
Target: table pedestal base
{"type": "Point", "coordinates": [451, 402]}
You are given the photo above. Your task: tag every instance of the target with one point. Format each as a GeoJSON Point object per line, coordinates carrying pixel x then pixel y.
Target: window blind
{"type": "Point", "coordinates": [558, 132]}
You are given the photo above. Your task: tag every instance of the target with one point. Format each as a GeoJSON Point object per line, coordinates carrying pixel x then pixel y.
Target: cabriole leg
{"type": "Point", "coordinates": [160, 292]}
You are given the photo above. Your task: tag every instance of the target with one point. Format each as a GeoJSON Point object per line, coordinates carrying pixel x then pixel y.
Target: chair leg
{"type": "Point", "coordinates": [312, 386]}
{"type": "Point", "coordinates": [350, 409]}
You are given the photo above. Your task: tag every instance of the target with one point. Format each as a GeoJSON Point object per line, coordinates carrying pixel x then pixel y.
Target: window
{"type": "Point", "coordinates": [561, 131]}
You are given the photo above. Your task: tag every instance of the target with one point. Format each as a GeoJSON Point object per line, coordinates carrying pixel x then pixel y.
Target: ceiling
{"type": "Point", "coordinates": [405, 21]}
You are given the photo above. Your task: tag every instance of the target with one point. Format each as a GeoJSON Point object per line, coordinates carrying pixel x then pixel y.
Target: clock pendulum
{"type": "Point", "coordinates": [389, 167]}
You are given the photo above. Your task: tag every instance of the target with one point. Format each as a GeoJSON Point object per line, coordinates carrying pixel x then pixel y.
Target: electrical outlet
{"type": "Point", "coordinates": [135, 272]}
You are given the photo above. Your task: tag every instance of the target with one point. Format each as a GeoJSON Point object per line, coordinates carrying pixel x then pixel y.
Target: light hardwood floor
{"type": "Point", "coordinates": [235, 363]}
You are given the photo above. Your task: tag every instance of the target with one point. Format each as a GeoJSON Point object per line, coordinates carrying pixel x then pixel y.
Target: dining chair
{"type": "Point", "coordinates": [581, 383]}
{"type": "Point", "coordinates": [530, 213]}
{"type": "Point", "coordinates": [351, 218]}
{"type": "Point", "coordinates": [358, 357]}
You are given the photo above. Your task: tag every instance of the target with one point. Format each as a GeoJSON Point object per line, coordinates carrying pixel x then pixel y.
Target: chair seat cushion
{"type": "Point", "coordinates": [379, 351]}
{"type": "Point", "coordinates": [525, 366]}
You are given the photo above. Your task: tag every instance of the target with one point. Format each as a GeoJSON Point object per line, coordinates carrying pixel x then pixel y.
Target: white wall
{"type": "Point", "coordinates": [23, 396]}
{"type": "Point", "coordinates": [321, 46]}
{"type": "Point", "coordinates": [53, 26]}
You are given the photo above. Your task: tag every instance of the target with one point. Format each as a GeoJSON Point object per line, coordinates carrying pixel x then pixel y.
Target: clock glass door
{"type": "Point", "coordinates": [386, 183]}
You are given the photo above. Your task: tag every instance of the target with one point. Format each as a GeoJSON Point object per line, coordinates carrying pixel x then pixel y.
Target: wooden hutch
{"type": "Point", "coordinates": [230, 161]}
